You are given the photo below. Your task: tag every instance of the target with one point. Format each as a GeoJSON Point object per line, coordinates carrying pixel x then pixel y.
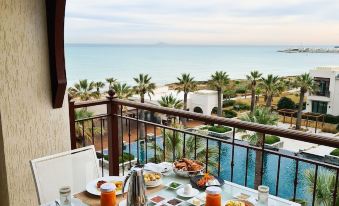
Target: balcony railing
{"type": "Point", "coordinates": [126, 128]}
{"type": "Point", "coordinates": [322, 93]}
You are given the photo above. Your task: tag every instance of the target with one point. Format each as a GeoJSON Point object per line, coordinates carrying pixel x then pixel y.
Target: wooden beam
{"type": "Point", "coordinates": [55, 11]}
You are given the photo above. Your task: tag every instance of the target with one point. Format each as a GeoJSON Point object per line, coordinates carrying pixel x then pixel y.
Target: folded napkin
{"type": "Point", "coordinates": [163, 168]}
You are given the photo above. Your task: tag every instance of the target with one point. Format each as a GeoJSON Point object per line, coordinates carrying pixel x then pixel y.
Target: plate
{"type": "Point", "coordinates": [154, 183]}
{"type": "Point", "coordinates": [91, 187]}
{"type": "Point", "coordinates": [74, 202]}
{"type": "Point", "coordinates": [181, 193]}
{"type": "Point", "coordinates": [169, 185]}
{"type": "Point", "coordinates": [247, 203]}
{"type": "Point", "coordinates": [195, 179]}
{"type": "Point", "coordinates": [202, 202]}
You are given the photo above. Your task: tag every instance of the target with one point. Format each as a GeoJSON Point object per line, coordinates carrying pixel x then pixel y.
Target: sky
{"type": "Point", "coordinates": [203, 22]}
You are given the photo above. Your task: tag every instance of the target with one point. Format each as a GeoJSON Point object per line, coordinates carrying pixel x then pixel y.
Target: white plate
{"type": "Point", "coordinates": [181, 193]}
{"type": "Point", "coordinates": [174, 188]}
{"type": "Point", "coordinates": [74, 202]}
{"type": "Point", "coordinates": [91, 187]}
{"type": "Point", "coordinates": [194, 198]}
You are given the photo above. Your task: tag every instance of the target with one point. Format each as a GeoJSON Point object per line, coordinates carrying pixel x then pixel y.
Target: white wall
{"type": "Point", "coordinates": [205, 99]}
{"type": "Point", "coordinates": [333, 100]}
{"type": "Point", "coordinates": [29, 127]}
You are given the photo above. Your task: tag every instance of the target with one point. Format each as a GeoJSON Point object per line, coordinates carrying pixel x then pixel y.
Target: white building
{"type": "Point", "coordinates": [326, 99]}
{"type": "Point", "coordinates": [202, 101]}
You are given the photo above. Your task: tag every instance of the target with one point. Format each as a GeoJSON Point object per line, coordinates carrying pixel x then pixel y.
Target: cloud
{"type": "Point", "coordinates": [202, 22]}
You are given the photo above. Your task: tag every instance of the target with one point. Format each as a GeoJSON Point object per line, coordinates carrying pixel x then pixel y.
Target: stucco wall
{"type": "Point", "coordinates": [30, 127]}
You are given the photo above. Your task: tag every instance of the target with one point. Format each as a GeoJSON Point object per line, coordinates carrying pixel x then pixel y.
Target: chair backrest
{"type": "Point", "coordinates": [73, 168]}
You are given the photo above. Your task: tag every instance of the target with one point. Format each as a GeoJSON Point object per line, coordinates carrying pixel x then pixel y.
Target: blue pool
{"type": "Point", "coordinates": [286, 177]}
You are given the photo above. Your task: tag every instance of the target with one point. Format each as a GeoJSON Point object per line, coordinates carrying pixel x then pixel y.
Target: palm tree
{"type": "Point", "coordinates": [83, 90]}
{"type": "Point", "coordinates": [306, 84]}
{"type": "Point", "coordinates": [253, 78]}
{"type": "Point", "coordinates": [144, 86]}
{"type": "Point", "coordinates": [122, 91]}
{"type": "Point", "coordinates": [83, 129]}
{"type": "Point", "coordinates": [174, 146]}
{"type": "Point", "coordinates": [324, 188]}
{"type": "Point", "coordinates": [259, 116]}
{"type": "Point", "coordinates": [272, 86]}
{"type": "Point", "coordinates": [219, 80]}
{"type": "Point", "coordinates": [171, 102]}
{"type": "Point", "coordinates": [99, 85]}
{"type": "Point", "coordinates": [110, 81]}
{"type": "Point", "coordinates": [186, 85]}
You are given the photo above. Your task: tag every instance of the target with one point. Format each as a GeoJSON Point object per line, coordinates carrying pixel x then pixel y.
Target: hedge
{"type": "Point", "coordinates": [230, 113]}
{"type": "Point", "coordinates": [241, 106]}
{"type": "Point", "coordinates": [271, 139]}
{"type": "Point", "coordinates": [286, 103]}
{"type": "Point", "coordinates": [217, 129]}
{"type": "Point", "coordinates": [335, 152]}
{"type": "Point", "coordinates": [126, 157]}
{"type": "Point", "coordinates": [228, 103]}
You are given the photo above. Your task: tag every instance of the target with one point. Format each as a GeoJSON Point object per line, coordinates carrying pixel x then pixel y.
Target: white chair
{"type": "Point", "coordinates": [73, 168]}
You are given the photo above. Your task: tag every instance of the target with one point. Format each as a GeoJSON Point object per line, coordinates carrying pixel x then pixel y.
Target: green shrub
{"type": "Point", "coordinates": [230, 113]}
{"type": "Point", "coordinates": [286, 103]}
{"type": "Point", "coordinates": [217, 129]}
{"type": "Point", "coordinates": [228, 103]}
{"type": "Point", "coordinates": [335, 152]}
{"type": "Point", "coordinates": [331, 119]}
{"type": "Point", "coordinates": [241, 106]}
{"type": "Point", "coordinates": [240, 90]}
{"type": "Point", "coordinates": [229, 94]}
{"type": "Point", "coordinates": [271, 139]}
{"type": "Point", "coordinates": [125, 157]}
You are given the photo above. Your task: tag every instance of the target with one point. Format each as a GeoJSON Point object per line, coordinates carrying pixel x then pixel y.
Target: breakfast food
{"type": "Point", "coordinates": [188, 165]}
{"type": "Point", "coordinates": [202, 182]}
{"type": "Point", "coordinates": [196, 202]}
{"type": "Point", "coordinates": [157, 199]}
{"type": "Point", "coordinates": [237, 203]}
{"type": "Point", "coordinates": [174, 185]}
{"type": "Point", "coordinates": [174, 201]}
{"type": "Point", "coordinates": [99, 183]}
{"type": "Point", "coordinates": [118, 184]}
{"type": "Point", "coordinates": [149, 177]}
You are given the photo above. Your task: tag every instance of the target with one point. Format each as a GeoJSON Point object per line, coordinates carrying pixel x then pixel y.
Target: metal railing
{"type": "Point", "coordinates": [125, 122]}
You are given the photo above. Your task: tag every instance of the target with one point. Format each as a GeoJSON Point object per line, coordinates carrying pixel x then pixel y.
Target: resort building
{"type": "Point", "coordinates": [325, 100]}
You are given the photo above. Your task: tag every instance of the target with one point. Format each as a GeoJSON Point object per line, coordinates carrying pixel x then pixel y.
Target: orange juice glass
{"type": "Point", "coordinates": [108, 196]}
{"type": "Point", "coordinates": [213, 196]}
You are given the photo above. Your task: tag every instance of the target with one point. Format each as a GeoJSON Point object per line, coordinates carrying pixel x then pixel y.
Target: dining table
{"type": "Point", "coordinates": [229, 192]}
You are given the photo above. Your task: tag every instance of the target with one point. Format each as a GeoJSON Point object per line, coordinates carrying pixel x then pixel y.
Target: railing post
{"type": "Point", "coordinates": [72, 122]}
{"type": "Point", "coordinates": [113, 135]}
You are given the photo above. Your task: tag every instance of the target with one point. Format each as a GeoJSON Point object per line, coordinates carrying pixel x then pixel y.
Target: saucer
{"type": "Point", "coordinates": [193, 193]}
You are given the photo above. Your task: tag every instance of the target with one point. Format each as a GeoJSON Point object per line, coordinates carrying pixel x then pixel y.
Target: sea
{"type": "Point", "coordinates": [164, 63]}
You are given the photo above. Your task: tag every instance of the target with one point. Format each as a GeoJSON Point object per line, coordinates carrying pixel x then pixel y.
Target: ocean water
{"type": "Point", "coordinates": [165, 62]}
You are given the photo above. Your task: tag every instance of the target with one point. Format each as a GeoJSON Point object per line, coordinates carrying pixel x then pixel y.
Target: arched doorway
{"type": "Point", "coordinates": [198, 110]}
{"type": "Point", "coordinates": [214, 110]}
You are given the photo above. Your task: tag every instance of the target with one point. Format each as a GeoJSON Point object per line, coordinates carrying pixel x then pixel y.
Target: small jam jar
{"type": "Point", "coordinates": [65, 196]}
{"type": "Point", "coordinates": [108, 196]}
{"type": "Point", "coordinates": [213, 196]}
